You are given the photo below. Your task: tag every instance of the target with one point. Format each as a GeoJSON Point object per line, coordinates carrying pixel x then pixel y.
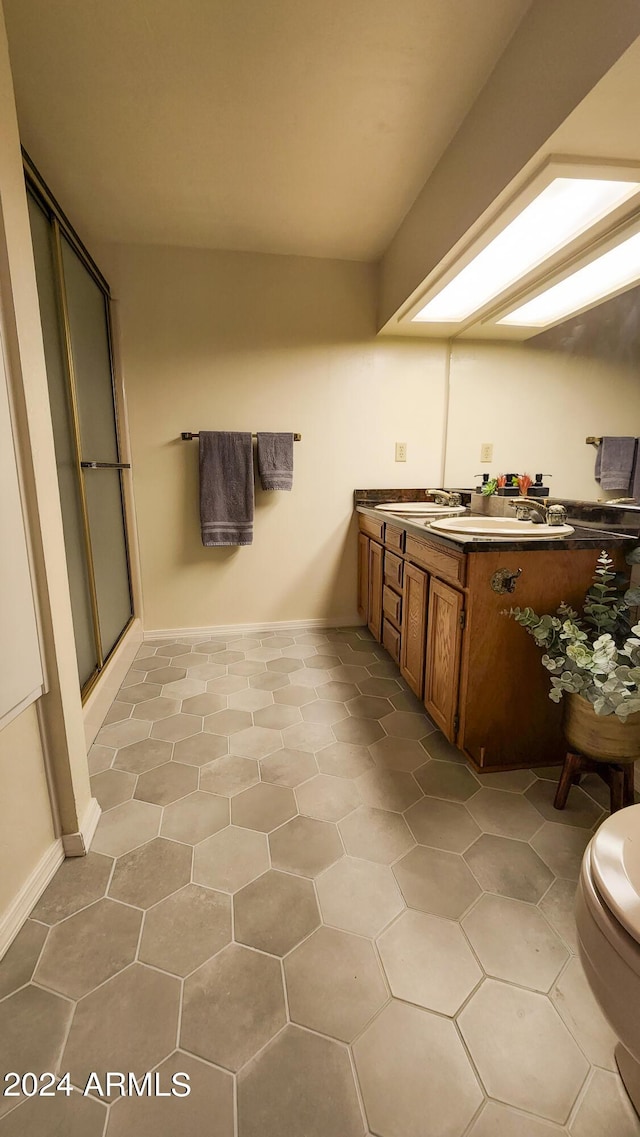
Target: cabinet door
{"type": "Point", "coordinates": [414, 627]}
{"type": "Point", "coordinates": [363, 576]}
{"type": "Point", "coordinates": [442, 667]}
{"type": "Point", "coordinates": [375, 590]}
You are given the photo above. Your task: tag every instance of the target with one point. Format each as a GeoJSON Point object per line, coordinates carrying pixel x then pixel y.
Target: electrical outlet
{"type": "Point", "coordinates": [486, 451]}
{"type": "Point", "coordinates": [401, 451]}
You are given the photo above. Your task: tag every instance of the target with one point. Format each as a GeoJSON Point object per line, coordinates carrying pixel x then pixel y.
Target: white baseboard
{"type": "Point", "coordinates": [77, 844]}
{"type": "Point", "coordinates": [229, 630]}
{"type": "Point", "coordinates": [31, 891]}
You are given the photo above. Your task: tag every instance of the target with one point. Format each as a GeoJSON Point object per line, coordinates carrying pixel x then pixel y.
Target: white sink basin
{"type": "Point", "coordinates": [500, 528]}
{"type": "Point", "coordinates": [419, 508]}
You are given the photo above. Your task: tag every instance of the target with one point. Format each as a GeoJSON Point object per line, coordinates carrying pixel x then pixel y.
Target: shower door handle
{"type": "Point", "coordinates": [106, 465]}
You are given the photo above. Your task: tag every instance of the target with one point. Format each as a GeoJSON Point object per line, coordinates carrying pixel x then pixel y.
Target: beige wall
{"type": "Point", "coordinates": [536, 407]}
{"type": "Point", "coordinates": [249, 342]}
{"type": "Point", "coordinates": [26, 825]}
{"type": "Point", "coordinates": [240, 341]}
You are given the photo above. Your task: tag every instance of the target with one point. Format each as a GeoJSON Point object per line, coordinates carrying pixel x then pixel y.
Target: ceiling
{"type": "Point", "coordinates": [282, 127]}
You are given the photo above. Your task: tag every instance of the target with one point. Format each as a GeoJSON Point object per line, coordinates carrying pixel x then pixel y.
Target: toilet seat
{"type": "Point", "coordinates": [614, 856]}
{"type": "Point", "coordinates": [608, 928]}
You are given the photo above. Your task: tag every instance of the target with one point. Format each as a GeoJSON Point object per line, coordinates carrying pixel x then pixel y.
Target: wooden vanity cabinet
{"type": "Point", "coordinates": [363, 577]}
{"type": "Point", "coordinates": [374, 608]}
{"type": "Point", "coordinates": [370, 572]}
{"type": "Point", "coordinates": [419, 633]}
{"type": "Point", "coordinates": [506, 716]}
{"type": "Point", "coordinates": [391, 640]}
{"type": "Point", "coordinates": [393, 590]}
{"type": "Point", "coordinates": [414, 627]}
{"type": "Point", "coordinates": [392, 606]}
{"type": "Point", "coordinates": [432, 628]}
{"type": "Point", "coordinates": [478, 673]}
{"type": "Point", "coordinates": [445, 623]}
{"type": "Point", "coordinates": [393, 572]}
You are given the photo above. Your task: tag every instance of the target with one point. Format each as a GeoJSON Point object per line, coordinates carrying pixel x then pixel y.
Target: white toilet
{"type": "Point", "coordinates": [608, 924]}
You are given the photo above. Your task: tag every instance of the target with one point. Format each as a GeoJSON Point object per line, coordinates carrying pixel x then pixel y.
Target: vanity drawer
{"type": "Point", "coordinates": [371, 526]}
{"type": "Point", "coordinates": [393, 571]}
{"type": "Point", "coordinates": [441, 562]}
{"type": "Point", "coordinates": [392, 606]}
{"type": "Point", "coordinates": [391, 640]}
{"type": "Point", "coordinates": [394, 538]}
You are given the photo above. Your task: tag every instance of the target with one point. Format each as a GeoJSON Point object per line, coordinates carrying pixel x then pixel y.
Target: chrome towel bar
{"type": "Point", "coordinates": [187, 435]}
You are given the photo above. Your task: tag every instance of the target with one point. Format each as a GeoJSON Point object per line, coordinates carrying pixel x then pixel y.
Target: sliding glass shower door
{"type": "Point", "coordinates": [74, 308]}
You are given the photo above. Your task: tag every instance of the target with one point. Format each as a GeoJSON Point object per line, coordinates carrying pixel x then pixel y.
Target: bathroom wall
{"type": "Point", "coordinates": [29, 844]}
{"type": "Point", "coordinates": [537, 405]}
{"type": "Point", "coordinates": [247, 342]}
{"type": "Point", "coordinates": [241, 341]}
{"type": "Point", "coordinates": [26, 825]}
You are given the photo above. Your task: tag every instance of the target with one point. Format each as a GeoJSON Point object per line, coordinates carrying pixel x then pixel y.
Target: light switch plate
{"type": "Point", "coordinates": [486, 451]}
{"type": "Point", "coordinates": [401, 451]}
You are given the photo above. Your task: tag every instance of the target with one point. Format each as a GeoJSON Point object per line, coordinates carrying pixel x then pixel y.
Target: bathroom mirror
{"type": "Point", "coordinates": [536, 401]}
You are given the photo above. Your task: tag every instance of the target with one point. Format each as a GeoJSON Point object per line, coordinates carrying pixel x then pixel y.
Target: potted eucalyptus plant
{"type": "Point", "coordinates": [593, 659]}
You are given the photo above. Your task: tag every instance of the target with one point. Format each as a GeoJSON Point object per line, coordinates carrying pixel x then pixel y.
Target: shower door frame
{"type": "Point", "coordinates": [61, 226]}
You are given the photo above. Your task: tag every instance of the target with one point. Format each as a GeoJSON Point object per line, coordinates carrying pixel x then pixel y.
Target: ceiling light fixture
{"type": "Point", "coordinates": [610, 273]}
{"type": "Point", "coordinates": [567, 207]}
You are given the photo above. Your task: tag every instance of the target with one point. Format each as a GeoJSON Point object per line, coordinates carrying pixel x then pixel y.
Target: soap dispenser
{"type": "Point", "coordinates": [538, 489]}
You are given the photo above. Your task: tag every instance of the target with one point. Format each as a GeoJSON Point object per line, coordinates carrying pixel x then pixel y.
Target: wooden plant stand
{"type": "Point", "coordinates": [617, 775]}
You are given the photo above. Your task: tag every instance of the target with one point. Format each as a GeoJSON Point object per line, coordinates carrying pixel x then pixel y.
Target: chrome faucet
{"type": "Point", "coordinates": [443, 497]}
{"type": "Point", "coordinates": [532, 509]}
{"type": "Point", "coordinates": [528, 509]}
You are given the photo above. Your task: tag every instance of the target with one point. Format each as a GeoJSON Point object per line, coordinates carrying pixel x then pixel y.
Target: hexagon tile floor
{"type": "Point", "coordinates": [301, 896]}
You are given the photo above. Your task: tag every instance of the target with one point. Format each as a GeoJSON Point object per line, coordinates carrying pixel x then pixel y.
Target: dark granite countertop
{"type": "Point", "coordinates": [624, 518]}
{"type": "Point", "coordinates": [583, 537]}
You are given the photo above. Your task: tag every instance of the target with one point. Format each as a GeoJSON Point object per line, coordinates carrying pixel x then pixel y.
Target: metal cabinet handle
{"type": "Point", "coordinates": [106, 465]}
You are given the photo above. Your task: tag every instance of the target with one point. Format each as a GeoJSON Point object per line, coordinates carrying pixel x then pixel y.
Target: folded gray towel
{"type": "Point", "coordinates": [275, 461]}
{"type": "Point", "coordinates": [226, 488]}
{"type": "Point", "coordinates": [615, 462]}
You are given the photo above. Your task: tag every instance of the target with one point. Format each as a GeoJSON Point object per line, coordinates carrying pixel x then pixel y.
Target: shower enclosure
{"type": "Point", "coordinates": [74, 308]}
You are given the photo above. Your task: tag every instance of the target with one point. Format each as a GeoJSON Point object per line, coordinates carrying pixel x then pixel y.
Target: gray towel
{"type": "Point", "coordinates": [615, 463]}
{"type": "Point", "coordinates": [275, 461]}
{"type": "Point", "coordinates": [226, 488]}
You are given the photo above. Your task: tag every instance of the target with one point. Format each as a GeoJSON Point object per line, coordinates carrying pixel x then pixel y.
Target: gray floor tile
{"type": "Point", "coordinates": [18, 963]}
{"type": "Point", "coordinates": [33, 1027]}
{"type": "Point", "coordinates": [210, 1096]}
{"type": "Point", "coordinates": [223, 906]}
{"type": "Point", "coordinates": [129, 1023]}
{"type": "Point", "coordinates": [334, 983]}
{"type": "Point", "coordinates": [233, 1005]}
{"type": "Point", "coordinates": [88, 948]}
{"type": "Point", "coordinates": [183, 931]}
{"type": "Point", "coordinates": [270, 1101]}
{"type": "Point", "coordinates": [74, 1116]}
{"type": "Point", "coordinates": [401, 1089]}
